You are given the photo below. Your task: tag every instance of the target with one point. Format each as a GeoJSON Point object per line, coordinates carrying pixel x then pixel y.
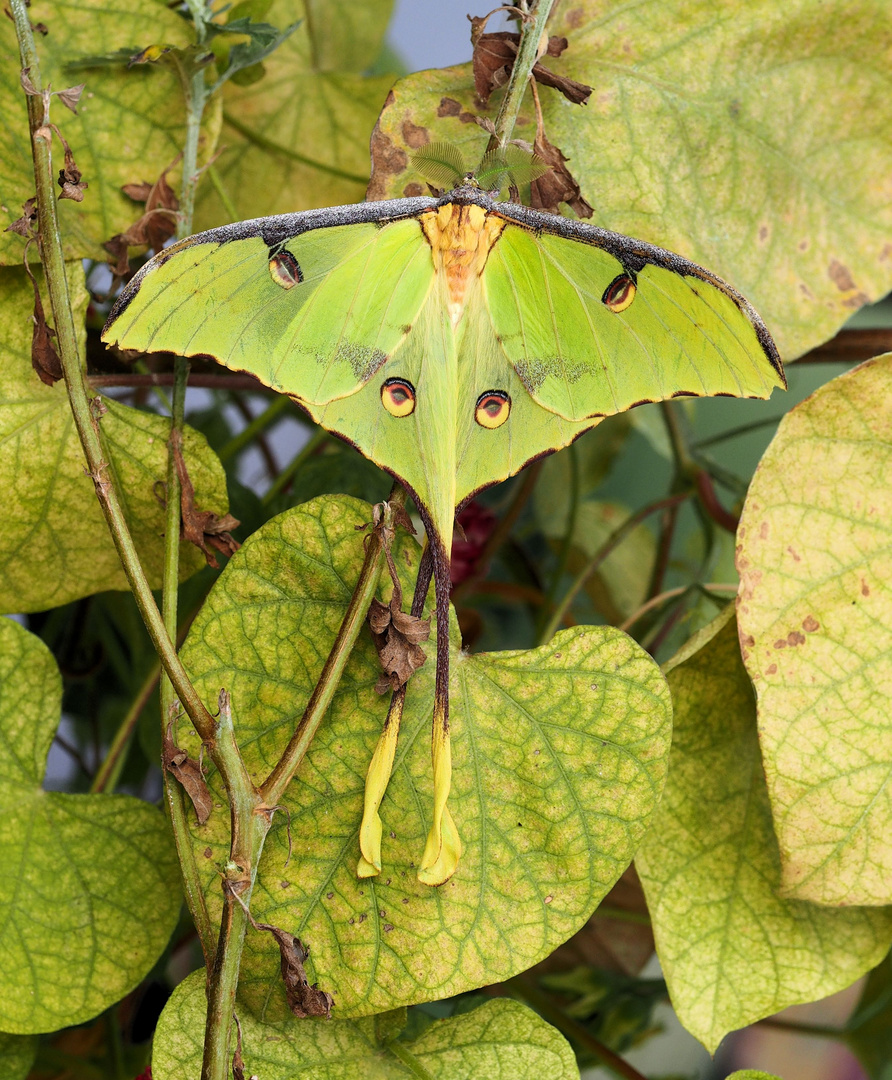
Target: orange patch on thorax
{"type": "Point", "coordinates": [461, 238]}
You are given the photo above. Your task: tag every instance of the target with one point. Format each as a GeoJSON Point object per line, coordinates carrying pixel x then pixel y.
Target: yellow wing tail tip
{"type": "Point", "coordinates": [441, 853]}
{"type": "Point", "coordinates": [378, 777]}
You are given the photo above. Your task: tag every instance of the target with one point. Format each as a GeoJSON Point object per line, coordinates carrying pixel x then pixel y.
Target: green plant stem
{"type": "Point", "coordinates": [270, 414]}
{"type": "Point", "coordinates": [82, 408]}
{"type": "Point", "coordinates": [610, 544]}
{"type": "Point", "coordinates": [319, 436]}
{"type": "Point", "coordinates": [109, 771]}
{"type": "Point", "coordinates": [403, 1054]}
{"type": "Point", "coordinates": [621, 915]}
{"type": "Point", "coordinates": [526, 990]}
{"type": "Point", "coordinates": [273, 788]}
{"type": "Point", "coordinates": [531, 32]}
{"type": "Point", "coordinates": [671, 594]}
{"type": "Point", "coordinates": [195, 94]}
{"type": "Point", "coordinates": [250, 822]}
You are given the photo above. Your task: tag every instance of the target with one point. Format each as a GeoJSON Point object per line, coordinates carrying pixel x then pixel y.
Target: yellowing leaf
{"type": "Point", "coordinates": [732, 949]}
{"type": "Point", "coordinates": [298, 138]}
{"type": "Point", "coordinates": [91, 893]}
{"type": "Point", "coordinates": [695, 139]}
{"type": "Point", "coordinates": [130, 124]}
{"type": "Point", "coordinates": [55, 545]}
{"type": "Point", "coordinates": [816, 622]}
{"type": "Point", "coordinates": [558, 761]}
{"type": "Point", "coordinates": [500, 1040]}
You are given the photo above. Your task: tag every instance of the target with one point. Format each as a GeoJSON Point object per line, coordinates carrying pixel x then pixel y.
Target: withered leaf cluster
{"type": "Point", "coordinates": [303, 1000]}
{"type": "Point", "coordinates": [188, 772]}
{"type": "Point", "coordinates": [203, 528]}
{"type": "Point", "coordinates": [153, 228]}
{"type": "Point", "coordinates": [396, 634]}
{"type": "Point", "coordinates": [494, 57]}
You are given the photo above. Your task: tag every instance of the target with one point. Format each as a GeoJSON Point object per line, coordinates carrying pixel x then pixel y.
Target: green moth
{"type": "Point", "coordinates": [452, 340]}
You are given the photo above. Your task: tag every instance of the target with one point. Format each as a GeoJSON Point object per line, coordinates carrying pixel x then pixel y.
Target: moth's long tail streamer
{"type": "Point", "coordinates": [377, 779]}
{"type": "Point", "coordinates": [443, 848]}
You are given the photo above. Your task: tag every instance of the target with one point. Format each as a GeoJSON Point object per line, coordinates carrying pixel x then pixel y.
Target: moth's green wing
{"type": "Point", "coordinates": [313, 315]}
{"type": "Point", "coordinates": [683, 332]}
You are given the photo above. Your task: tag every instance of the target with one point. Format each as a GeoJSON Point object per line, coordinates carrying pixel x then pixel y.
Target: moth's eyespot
{"type": "Point", "coordinates": [620, 293]}
{"type": "Point", "coordinates": [285, 270]}
{"type": "Point", "coordinates": [398, 397]}
{"type": "Point", "coordinates": [492, 408]}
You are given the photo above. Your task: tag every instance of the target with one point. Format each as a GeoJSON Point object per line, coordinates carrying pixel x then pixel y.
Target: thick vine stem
{"type": "Point", "coordinates": [83, 408]}
{"type": "Point", "coordinates": [250, 822]}
{"type": "Point", "coordinates": [531, 34]}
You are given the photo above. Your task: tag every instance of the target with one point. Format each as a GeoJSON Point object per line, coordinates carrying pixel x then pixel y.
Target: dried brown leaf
{"type": "Point", "coordinates": [70, 179]}
{"type": "Point", "coordinates": [494, 56]}
{"type": "Point", "coordinates": [71, 96]}
{"type": "Point", "coordinates": [396, 635]}
{"type": "Point", "coordinates": [202, 528]}
{"type": "Point", "coordinates": [153, 228]}
{"type": "Point", "coordinates": [26, 225]}
{"type": "Point", "coordinates": [188, 772]}
{"type": "Point", "coordinates": [548, 191]}
{"type": "Point", "coordinates": [44, 358]}
{"type": "Point", "coordinates": [303, 1000]}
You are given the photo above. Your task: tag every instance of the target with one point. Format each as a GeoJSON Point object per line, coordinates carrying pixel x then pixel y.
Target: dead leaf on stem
{"type": "Point", "coordinates": [202, 528]}
{"type": "Point", "coordinates": [154, 228]}
{"type": "Point", "coordinates": [188, 772]}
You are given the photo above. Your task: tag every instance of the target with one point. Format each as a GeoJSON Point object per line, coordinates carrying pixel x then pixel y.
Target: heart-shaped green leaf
{"type": "Point", "coordinates": [816, 623]}
{"type": "Point", "coordinates": [694, 139]}
{"type": "Point", "coordinates": [298, 137]}
{"type": "Point", "coordinates": [731, 948]}
{"type": "Point", "coordinates": [558, 762]}
{"type": "Point", "coordinates": [55, 545]}
{"type": "Point", "coordinates": [91, 891]}
{"type": "Point", "coordinates": [131, 122]}
{"type": "Point", "coordinates": [500, 1040]}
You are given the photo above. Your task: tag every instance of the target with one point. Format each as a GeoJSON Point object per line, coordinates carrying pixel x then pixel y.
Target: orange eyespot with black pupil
{"type": "Point", "coordinates": [285, 270]}
{"type": "Point", "coordinates": [492, 408]}
{"type": "Point", "coordinates": [620, 293]}
{"type": "Point", "coordinates": [398, 397]}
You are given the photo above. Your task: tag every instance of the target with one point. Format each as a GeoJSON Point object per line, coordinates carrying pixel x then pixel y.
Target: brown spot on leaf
{"type": "Point", "coordinates": [771, 669]}
{"type": "Point", "coordinates": [806, 291]}
{"type": "Point", "coordinates": [885, 253]}
{"type": "Point", "coordinates": [840, 275]}
{"type": "Point", "coordinates": [810, 624]}
{"type": "Point", "coordinates": [781, 643]}
{"type": "Point", "coordinates": [865, 588]}
{"type": "Point", "coordinates": [414, 135]}
{"type": "Point", "coordinates": [856, 301]}
{"type": "Point", "coordinates": [448, 107]}
{"type": "Point", "coordinates": [748, 641]}
{"type": "Point", "coordinates": [413, 190]}
{"type": "Point", "coordinates": [208, 853]}
{"type": "Point", "coordinates": [387, 158]}
{"type": "Point", "coordinates": [575, 18]}
{"type": "Point", "coordinates": [763, 233]}
{"type": "Point", "coordinates": [795, 637]}
{"type": "Point", "coordinates": [803, 245]}
{"type": "Point", "coordinates": [763, 531]}
{"type": "Point", "coordinates": [796, 556]}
